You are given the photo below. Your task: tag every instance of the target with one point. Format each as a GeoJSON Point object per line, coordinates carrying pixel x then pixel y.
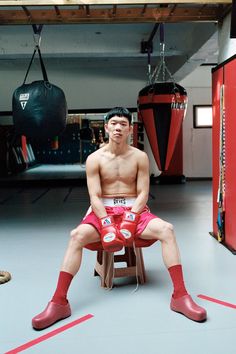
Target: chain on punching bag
{"type": "Point", "coordinates": [162, 106]}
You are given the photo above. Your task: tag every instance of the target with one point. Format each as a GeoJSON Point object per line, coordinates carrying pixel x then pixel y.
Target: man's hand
{"type": "Point", "coordinates": [110, 235]}
{"type": "Point", "coordinates": [128, 227]}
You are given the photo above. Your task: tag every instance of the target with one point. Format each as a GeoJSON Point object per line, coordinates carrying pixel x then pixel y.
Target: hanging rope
{"type": "Point", "coordinates": [4, 276]}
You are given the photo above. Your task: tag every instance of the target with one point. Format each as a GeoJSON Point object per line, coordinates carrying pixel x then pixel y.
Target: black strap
{"type": "Point", "coordinates": [162, 35]}
{"type": "Point", "coordinates": [37, 31]}
{"type": "Point", "coordinates": [31, 61]}
{"type": "Point", "coordinates": [45, 76]}
{"type": "Point", "coordinates": [43, 69]}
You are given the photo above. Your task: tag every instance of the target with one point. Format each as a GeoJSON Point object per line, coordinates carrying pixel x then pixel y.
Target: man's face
{"type": "Point", "coordinates": [118, 128]}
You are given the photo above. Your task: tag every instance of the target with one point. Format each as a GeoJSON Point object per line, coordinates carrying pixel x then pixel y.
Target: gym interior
{"type": "Point", "coordinates": [100, 55]}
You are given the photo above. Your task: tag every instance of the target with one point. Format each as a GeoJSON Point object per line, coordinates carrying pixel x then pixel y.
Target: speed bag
{"type": "Point", "coordinates": [39, 110]}
{"type": "Point", "coordinates": [162, 107]}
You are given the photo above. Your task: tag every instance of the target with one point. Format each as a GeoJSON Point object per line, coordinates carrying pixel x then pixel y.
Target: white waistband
{"type": "Point", "coordinates": [119, 201]}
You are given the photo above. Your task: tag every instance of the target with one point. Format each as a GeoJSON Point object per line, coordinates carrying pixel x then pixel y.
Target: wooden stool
{"type": "Point", "coordinates": [105, 266]}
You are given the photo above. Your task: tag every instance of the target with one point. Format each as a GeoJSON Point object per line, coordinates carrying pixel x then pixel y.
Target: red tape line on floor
{"type": "Point", "coordinates": [219, 302]}
{"type": "Point", "coordinates": [49, 335]}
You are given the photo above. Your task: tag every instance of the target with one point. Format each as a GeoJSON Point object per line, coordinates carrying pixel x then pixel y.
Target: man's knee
{"type": "Point", "coordinates": [77, 238]}
{"type": "Point", "coordinates": [167, 227]}
{"type": "Point", "coordinates": [167, 231]}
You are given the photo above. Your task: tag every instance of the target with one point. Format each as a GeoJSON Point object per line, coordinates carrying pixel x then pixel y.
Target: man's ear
{"type": "Point", "coordinates": [106, 127]}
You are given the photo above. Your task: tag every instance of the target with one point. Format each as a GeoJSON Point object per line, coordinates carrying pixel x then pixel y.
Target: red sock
{"type": "Point", "coordinates": [60, 295]}
{"type": "Point", "coordinates": [176, 274]}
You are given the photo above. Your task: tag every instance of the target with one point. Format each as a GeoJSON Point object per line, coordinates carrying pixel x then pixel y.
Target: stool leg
{"type": "Point", "coordinates": [140, 266]}
{"type": "Point", "coordinates": [98, 263]}
{"type": "Point", "coordinates": [108, 261]}
{"type": "Point", "coordinates": [130, 256]}
{"type": "Point", "coordinates": [105, 266]}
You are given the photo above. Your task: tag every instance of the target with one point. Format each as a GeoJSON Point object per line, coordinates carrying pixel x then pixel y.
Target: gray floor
{"type": "Point", "coordinates": [48, 173]}
{"type": "Point", "coordinates": [35, 224]}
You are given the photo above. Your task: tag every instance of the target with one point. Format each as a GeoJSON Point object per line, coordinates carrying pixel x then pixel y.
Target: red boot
{"type": "Point", "coordinates": [53, 313]}
{"type": "Point", "coordinates": [189, 308]}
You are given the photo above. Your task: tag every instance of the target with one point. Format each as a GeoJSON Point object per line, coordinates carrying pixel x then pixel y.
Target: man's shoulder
{"type": "Point", "coordinates": [94, 155]}
{"type": "Point", "coordinates": [139, 153]}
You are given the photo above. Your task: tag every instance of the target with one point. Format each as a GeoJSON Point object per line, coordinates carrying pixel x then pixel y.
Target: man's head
{"type": "Point", "coordinates": [118, 124]}
{"type": "Point", "coordinates": [119, 112]}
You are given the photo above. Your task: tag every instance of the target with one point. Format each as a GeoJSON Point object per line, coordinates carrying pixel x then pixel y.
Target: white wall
{"type": "Point", "coordinates": [87, 88]}
{"type": "Point", "coordinates": [227, 46]}
{"type": "Point", "coordinates": [197, 143]}
{"type": "Point", "coordinates": [106, 84]}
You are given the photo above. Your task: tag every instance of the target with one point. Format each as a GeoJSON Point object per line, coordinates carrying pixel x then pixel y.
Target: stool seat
{"type": "Point", "coordinates": [106, 268]}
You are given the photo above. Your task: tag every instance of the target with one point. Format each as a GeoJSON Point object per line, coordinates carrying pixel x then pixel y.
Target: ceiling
{"type": "Point", "coordinates": [112, 33]}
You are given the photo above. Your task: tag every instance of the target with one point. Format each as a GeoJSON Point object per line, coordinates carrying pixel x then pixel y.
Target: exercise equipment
{"type": "Point", "coordinates": [55, 143]}
{"type": "Point", "coordinates": [39, 108]}
{"type": "Point", "coordinates": [128, 227]}
{"type": "Point", "coordinates": [221, 188]}
{"type": "Point", "coordinates": [110, 235]}
{"type": "Point", "coordinates": [162, 107]}
{"type": "Point", "coordinates": [4, 276]}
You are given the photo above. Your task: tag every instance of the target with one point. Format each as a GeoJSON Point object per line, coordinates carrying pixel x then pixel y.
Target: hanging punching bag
{"type": "Point", "coordinates": [39, 108]}
{"type": "Point", "coordinates": [162, 107]}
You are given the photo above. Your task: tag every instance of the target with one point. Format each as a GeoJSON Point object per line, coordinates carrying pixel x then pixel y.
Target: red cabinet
{"type": "Point", "coordinates": [225, 74]}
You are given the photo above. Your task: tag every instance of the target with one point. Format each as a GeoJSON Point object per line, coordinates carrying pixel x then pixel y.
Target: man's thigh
{"type": "Point", "coordinates": [153, 230]}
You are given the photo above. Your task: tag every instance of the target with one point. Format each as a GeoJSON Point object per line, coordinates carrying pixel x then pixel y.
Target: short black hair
{"type": "Point", "coordinates": [119, 112]}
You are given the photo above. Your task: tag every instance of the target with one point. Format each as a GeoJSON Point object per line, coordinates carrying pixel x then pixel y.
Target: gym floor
{"type": "Point", "coordinates": [35, 226]}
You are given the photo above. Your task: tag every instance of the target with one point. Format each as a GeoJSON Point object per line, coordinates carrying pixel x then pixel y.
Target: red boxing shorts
{"type": "Point", "coordinates": [116, 208]}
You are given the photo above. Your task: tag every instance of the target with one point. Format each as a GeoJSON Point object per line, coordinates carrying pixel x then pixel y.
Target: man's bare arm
{"type": "Point", "coordinates": [94, 185]}
{"type": "Point", "coordinates": [142, 183]}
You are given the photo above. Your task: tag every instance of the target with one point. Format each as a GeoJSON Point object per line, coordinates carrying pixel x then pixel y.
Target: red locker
{"type": "Point", "coordinates": [225, 74]}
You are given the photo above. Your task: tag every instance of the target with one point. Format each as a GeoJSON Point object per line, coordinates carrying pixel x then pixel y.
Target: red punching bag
{"type": "Point", "coordinates": [162, 107]}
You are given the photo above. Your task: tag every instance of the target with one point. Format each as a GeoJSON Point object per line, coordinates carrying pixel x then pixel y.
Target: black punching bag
{"type": "Point", "coordinates": [162, 107]}
{"type": "Point", "coordinates": [39, 108]}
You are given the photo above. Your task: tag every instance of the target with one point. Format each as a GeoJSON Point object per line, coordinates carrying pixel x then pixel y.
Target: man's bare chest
{"type": "Point", "coordinates": [120, 169]}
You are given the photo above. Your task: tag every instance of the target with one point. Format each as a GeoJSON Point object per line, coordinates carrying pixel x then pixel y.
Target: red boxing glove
{"type": "Point", "coordinates": [128, 227]}
{"type": "Point", "coordinates": [110, 236]}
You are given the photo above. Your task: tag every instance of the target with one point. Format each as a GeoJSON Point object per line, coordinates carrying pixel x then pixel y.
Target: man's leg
{"type": "Point", "coordinates": [181, 301]}
{"type": "Point", "coordinates": [59, 308]}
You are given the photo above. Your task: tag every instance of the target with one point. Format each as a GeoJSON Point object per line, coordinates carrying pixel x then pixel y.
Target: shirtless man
{"type": "Point", "coordinates": [118, 185]}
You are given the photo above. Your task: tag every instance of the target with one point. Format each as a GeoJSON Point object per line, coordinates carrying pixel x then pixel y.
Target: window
{"type": "Point", "coordinates": [202, 116]}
